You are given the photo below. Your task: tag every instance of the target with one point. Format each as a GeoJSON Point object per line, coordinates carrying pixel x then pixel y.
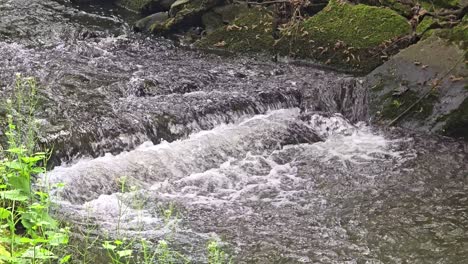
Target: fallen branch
{"type": "Point", "coordinates": [435, 85]}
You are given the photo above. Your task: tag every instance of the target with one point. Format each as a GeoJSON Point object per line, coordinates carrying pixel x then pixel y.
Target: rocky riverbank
{"type": "Point", "coordinates": [413, 51]}
{"type": "Point", "coordinates": [414, 56]}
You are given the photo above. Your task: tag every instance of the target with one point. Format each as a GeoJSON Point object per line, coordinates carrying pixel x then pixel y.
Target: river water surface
{"type": "Point", "coordinates": [274, 160]}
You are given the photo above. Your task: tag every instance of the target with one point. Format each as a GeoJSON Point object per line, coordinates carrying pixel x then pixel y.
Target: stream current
{"type": "Point", "coordinates": [275, 160]}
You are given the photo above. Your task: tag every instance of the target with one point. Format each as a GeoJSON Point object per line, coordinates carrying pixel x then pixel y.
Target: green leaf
{"type": "Point", "coordinates": [65, 259]}
{"type": "Point", "coordinates": [57, 238]}
{"type": "Point", "coordinates": [13, 195]}
{"type": "Point", "coordinates": [16, 150]}
{"type": "Point", "coordinates": [4, 213]}
{"type": "Point", "coordinates": [20, 183]}
{"type": "Point", "coordinates": [15, 165]}
{"type": "Point", "coordinates": [124, 253]}
{"type": "Point", "coordinates": [107, 245]}
{"type": "Point", "coordinates": [38, 253]}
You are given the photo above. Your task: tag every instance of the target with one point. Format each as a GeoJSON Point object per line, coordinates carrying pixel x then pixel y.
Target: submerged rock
{"type": "Point", "coordinates": [418, 69]}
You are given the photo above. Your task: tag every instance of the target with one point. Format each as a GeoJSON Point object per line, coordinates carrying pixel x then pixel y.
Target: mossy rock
{"type": "Point", "coordinates": [416, 73]}
{"type": "Point", "coordinates": [424, 25]}
{"type": "Point", "coordinates": [359, 26]}
{"type": "Point", "coordinates": [184, 14]}
{"type": "Point", "coordinates": [457, 34]}
{"type": "Point", "coordinates": [250, 32]}
{"type": "Point", "coordinates": [433, 5]}
{"type": "Point", "coordinates": [394, 105]}
{"type": "Point", "coordinates": [346, 36]}
{"type": "Point", "coordinates": [401, 7]}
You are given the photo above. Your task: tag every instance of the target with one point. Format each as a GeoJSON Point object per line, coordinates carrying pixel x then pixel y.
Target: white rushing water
{"type": "Point", "coordinates": [233, 168]}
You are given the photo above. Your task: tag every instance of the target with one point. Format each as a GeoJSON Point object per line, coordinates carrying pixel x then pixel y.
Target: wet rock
{"type": "Point", "coordinates": [146, 7]}
{"type": "Point", "coordinates": [211, 21]}
{"type": "Point", "coordinates": [184, 14]}
{"type": "Point", "coordinates": [417, 69]}
{"type": "Point", "coordinates": [222, 15]}
{"type": "Point", "coordinates": [145, 23]}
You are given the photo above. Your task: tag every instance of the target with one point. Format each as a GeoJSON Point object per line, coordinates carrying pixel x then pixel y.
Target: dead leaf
{"type": "Point", "coordinates": [233, 27]}
{"type": "Point", "coordinates": [417, 63]}
{"type": "Point", "coordinates": [453, 78]}
{"type": "Point", "coordinates": [220, 44]}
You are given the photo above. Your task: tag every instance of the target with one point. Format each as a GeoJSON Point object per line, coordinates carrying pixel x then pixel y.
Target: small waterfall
{"type": "Point", "coordinates": [275, 159]}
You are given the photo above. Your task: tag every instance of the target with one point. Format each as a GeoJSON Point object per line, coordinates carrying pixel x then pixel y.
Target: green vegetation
{"type": "Point", "coordinates": [457, 34]}
{"type": "Point", "coordinates": [29, 234]}
{"type": "Point", "coordinates": [344, 35]}
{"type": "Point", "coordinates": [358, 26]}
{"type": "Point", "coordinates": [122, 250]}
{"type": "Point", "coordinates": [216, 255]}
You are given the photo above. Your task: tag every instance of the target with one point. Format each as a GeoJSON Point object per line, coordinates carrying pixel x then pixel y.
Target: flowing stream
{"type": "Point", "coordinates": [274, 160]}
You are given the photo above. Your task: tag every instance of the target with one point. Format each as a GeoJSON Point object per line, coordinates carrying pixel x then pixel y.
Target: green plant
{"type": "Point", "coordinates": [121, 250]}
{"type": "Point", "coordinates": [28, 232]}
{"type": "Point", "coordinates": [216, 255]}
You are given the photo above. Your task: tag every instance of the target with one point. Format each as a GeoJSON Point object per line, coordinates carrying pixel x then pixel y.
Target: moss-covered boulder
{"type": "Point", "coordinates": [347, 36]}
{"type": "Point", "coordinates": [146, 7]}
{"type": "Point", "coordinates": [249, 32]}
{"type": "Point", "coordinates": [410, 77]}
{"type": "Point", "coordinates": [222, 15]}
{"type": "Point", "coordinates": [353, 37]}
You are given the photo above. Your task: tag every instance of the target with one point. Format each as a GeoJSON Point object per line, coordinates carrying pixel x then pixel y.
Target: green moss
{"type": "Point", "coordinates": [359, 26]}
{"type": "Point", "coordinates": [250, 32]}
{"type": "Point", "coordinates": [345, 36]}
{"type": "Point", "coordinates": [424, 24]}
{"type": "Point", "coordinates": [458, 34]}
{"type": "Point", "coordinates": [457, 122]}
{"type": "Point", "coordinates": [432, 5]}
{"type": "Point", "coordinates": [393, 106]}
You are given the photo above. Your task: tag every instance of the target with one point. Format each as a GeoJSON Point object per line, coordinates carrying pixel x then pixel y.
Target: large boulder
{"type": "Point", "coordinates": [410, 77]}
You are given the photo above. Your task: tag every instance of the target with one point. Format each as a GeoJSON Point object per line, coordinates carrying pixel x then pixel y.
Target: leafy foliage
{"type": "Point", "coordinates": [29, 234]}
